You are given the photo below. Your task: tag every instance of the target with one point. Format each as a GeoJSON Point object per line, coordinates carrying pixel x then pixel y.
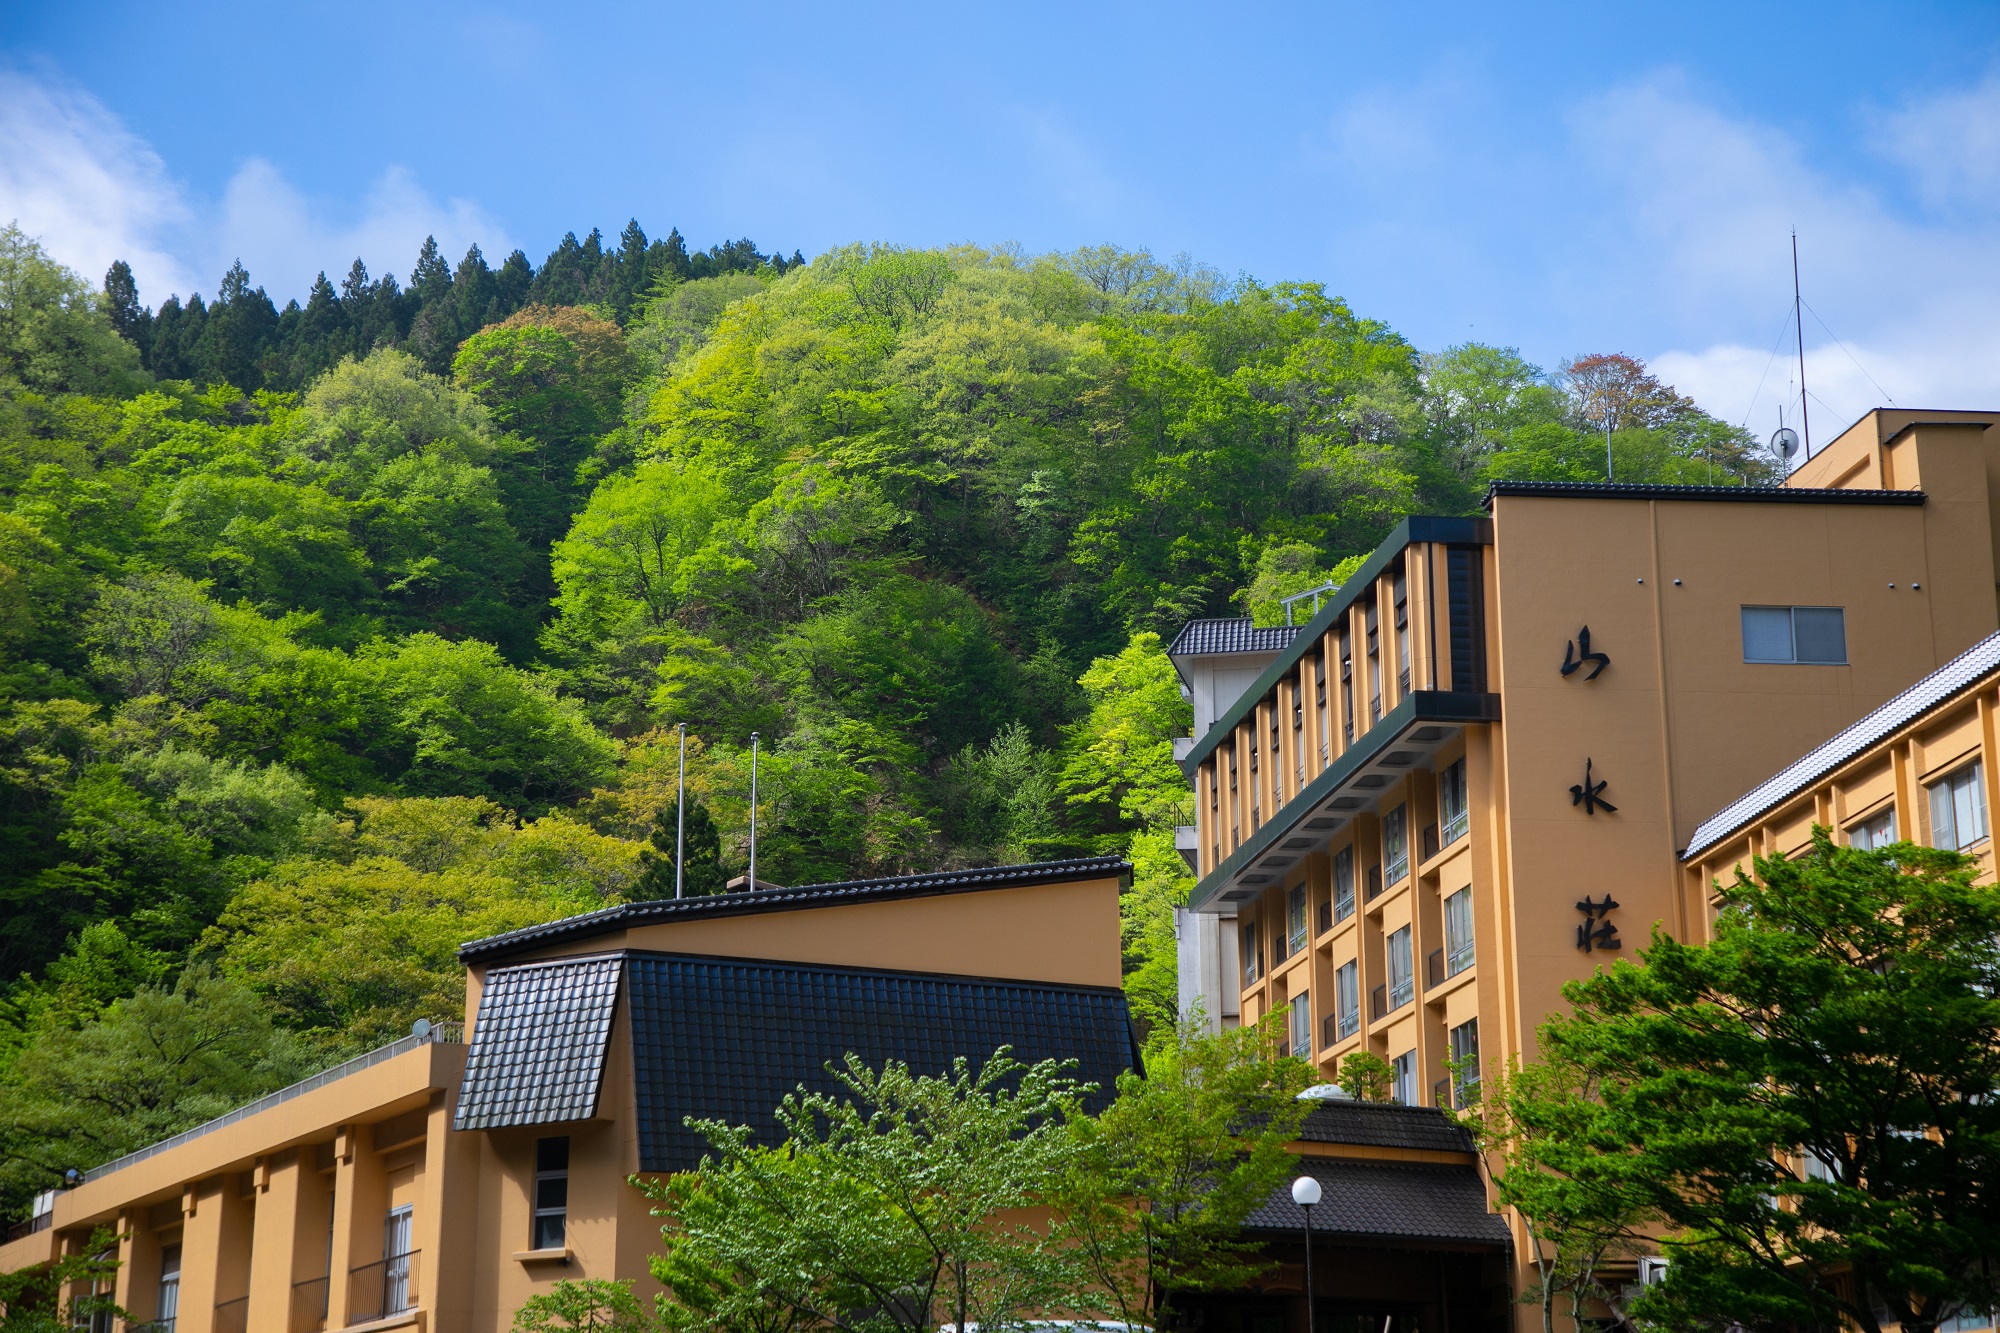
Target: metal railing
{"type": "Point", "coordinates": [1325, 916]}
{"type": "Point", "coordinates": [1434, 973]}
{"type": "Point", "coordinates": [232, 1316]}
{"type": "Point", "coordinates": [1402, 992]}
{"type": "Point", "coordinates": [1441, 1093]}
{"type": "Point", "coordinates": [1374, 883]}
{"type": "Point", "coordinates": [385, 1287]}
{"type": "Point", "coordinates": [28, 1228]}
{"type": "Point", "coordinates": [1378, 1003]}
{"type": "Point", "coordinates": [1430, 842]}
{"type": "Point", "coordinates": [309, 1305]}
{"type": "Point", "coordinates": [435, 1032]}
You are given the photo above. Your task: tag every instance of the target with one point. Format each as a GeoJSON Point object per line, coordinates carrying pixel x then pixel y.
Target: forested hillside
{"type": "Point", "coordinates": [334, 636]}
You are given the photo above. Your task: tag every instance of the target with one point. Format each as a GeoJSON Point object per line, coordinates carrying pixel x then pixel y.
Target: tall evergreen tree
{"type": "Point", "coordinates": [701, 865]}
{"type": "Point", "coordinates": [512, 283]}
{"type": "Point", "coordinates": [242, 327]}
{"type": "Point", "coordinates": [121, 302]}
{"type": "Point", "coordinates": [430, 280]}
{"type": "Point", "coordinates": [320, 337]}
{"type": "Point", "coordinates": [177, 329]}
{"type": "Point", "coordinates": [564, 274]}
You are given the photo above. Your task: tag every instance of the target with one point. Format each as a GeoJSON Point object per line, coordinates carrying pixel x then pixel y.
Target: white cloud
{"type": "Point", "coordinates": [1708, 202]}
{"type": "Point", "coordinates": [74, 176]}
{"type": "Point", "coordinates": [1950, 144]}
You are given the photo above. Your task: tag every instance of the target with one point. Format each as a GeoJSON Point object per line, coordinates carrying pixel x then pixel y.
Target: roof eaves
{"type": "Point", "coordinates": [799, 898]}
{"type": "Point", "coordinates": [1600, 490]}
{"type": "Point", "coordinates": [1416, 528]}
{"type": "Point", "coordinates": [1949, 681]}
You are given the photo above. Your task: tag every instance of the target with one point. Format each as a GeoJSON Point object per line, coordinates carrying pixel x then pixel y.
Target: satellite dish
{"type": "Point", "coordinates": [421, 1028]}
{"type": "Point", "coordinates": [1785, 441]}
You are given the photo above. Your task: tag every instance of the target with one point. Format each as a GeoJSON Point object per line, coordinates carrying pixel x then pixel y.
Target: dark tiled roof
{"type": "Point", "coordinates": [1948, 681]}
{"type": "Point", "coordinates": [627, 915]}
{"type": "Point", "coordinates": [726, 1039]}
{"type": "Point", "coordinates": [1384, 1126]}
{"type": "Point", "coordinates": [1599, 490]}
{"type": "Point", "coordinates": [1198, 638]}
{"type": "Point", "coordinates": [1386, 1199]}
{"type": "Point", "coordinates": [538, 1046]}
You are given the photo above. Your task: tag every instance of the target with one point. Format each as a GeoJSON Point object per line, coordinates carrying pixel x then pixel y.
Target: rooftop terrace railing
{"type": "Point", "coordinates": [422, 1033]}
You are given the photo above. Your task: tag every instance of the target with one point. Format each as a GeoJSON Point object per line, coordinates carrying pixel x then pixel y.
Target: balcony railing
{"type": "Point", "coordinates": [232, 1316]}
{"type": "Point", "coordinates": [1441, 1093]}
{"type": "Point", "coordinates": [1378, 1003]}
{"type": "Point", "coordinates": [385, 1287]}
{"type": "Point", "coordinates": [1434, 972]}
{"type": "Point", "coordinates": [1374, 883]}
{"type": "Point", "coordinates": [1402, 992]}
{"type": "Point", "coordinates": [309, 1305]}
{"type": "Point", "coordinates": [31, 1226]}
{"type": "Point", "coordinates": [432, 1032]}
{"type": "Point", "coordinates": [1325, 917]}
{"type": "Point", "coordinates": [1350, 1021]}
{"type": "Point", "coordinates": [1456, 826]}
{"type": "Point", "coordinates": [1430, 842]}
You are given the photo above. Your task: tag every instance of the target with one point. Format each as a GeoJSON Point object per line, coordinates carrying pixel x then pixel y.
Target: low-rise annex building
{"type": "Point", "coordinates": [1921, 768]}
{"type": "Point", "coordinates": [438, 1182]}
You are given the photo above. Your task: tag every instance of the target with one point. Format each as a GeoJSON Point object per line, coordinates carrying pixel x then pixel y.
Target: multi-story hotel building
{"type": "Point", "coordinates": [1473, 775]}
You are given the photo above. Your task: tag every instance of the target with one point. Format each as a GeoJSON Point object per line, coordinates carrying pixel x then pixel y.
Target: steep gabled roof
{"type": "Point", "coordinates": [1410, 1201]}
{"type": "Point", "coordinates": [1949, 680]}
{"type": "Point", "coordinates": [1384, 1125]}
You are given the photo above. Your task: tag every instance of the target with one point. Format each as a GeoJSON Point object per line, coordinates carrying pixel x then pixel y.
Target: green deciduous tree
{"type": "Point", "coordinates": [895, 1204]}
{"type": "Point", "coordinates": [1152, 1203]}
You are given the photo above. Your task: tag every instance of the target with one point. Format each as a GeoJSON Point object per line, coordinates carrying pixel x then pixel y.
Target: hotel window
{"type": "Point", "coordinates": [1374, 668]}
{"type": "Point", "coordinates": [396, 1239]}
{"type": "Point", "coordinates": [1302, 1026]}
{"type": "Point", "coordinates": [1402, 970]}
{"type": "Point", "coordinates": [1295, 919]}
{"type": "Point", "coordinates": [551, 1193]}
{"type": "Point", "coordinates": [1458, 932]}
{"type": "Point", "coordinates": [1809, 634]}
{"type": "Point", "coordinates": [1253, 954]}
{"type": "Point", "coordinates": [170, 1289]}
{"type": "Point", "coordinates": [1453, 820]}
{"type": "Point", "coordinates": [1465, 1063]}
{"type": "Point", "coordinates": [1396, 844]}
{"type": "Point", "coordinates": [1347, 688]}
{"type": "Point", "coordinates": [1403, 1079]}
{"type": "Point", "coordinates": [1402, 638]}
{"type": "Point", "coordinates": [1878, 830]}
{"type": "Point", "coordinates": [1958, 809]}
{"type": "Point", "coordinates": [1343, 884]}
{"type": "Point", "coordinates": [1347, 998]}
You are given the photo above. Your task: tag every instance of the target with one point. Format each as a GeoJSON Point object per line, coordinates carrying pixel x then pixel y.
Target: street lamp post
{"type": "Point", "coordinates": [1305, 1193]}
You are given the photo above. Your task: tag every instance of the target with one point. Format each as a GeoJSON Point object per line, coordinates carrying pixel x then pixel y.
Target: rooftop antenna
{"type": "Point", "coordinates": [1805, 418]}
{"type": "Point", "coordinates": [753, 812]}
{"type": "Point", "coordinates": [1784, 440]}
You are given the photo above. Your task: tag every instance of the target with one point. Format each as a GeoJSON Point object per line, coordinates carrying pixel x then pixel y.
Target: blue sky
{"type": "Point", "coordinates": [1561, 179]}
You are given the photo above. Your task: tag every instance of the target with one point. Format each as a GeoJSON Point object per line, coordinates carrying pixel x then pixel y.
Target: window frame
{"type": "Point", "coordinates": [1253, 953]}
{"type": "Point", "coordinates": [1343, 901]}
{"type": "Point", "coordinates": [1403, 1079]}
{"type": "Point", "coordinates": [1402, 966]}
{"type": "Point", "coordinates": [1465, 1079]}
{"type": "Point", "coordinates": [1459, 953]}
{"type": "Point", "coordinates": [1301, 1021]}
{"type": "Point", "coordinates": [539, 1212]}
{"type": "Point", "coordinates": [1396, 845]}
{"type": "Point", "coordinates": [1792, 636]}
{"type": "Point", "coordinates": [170, 1286]}
{"type": "Point", "coordinates": [1298, 926]}
{"type": "Point", "coordinates": [1454, 811]}
{"type": "Point", "coordinates": [1865, 826]}
{"type": "Point", "coordinates": [1971, 780]}
{"type": "Point", "coordinates": [1347, 998]}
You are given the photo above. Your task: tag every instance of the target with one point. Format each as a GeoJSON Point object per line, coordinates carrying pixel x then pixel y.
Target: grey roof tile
{"type": "Point", "coordinates": [1200, 638]}
{"type": "Point", "coordinates": [727, 1039]}
{"type": "Point", "coordinates": [1387, 1199]}
{"type": "Point", "coordinates": [748, 903]}
{"type": "Point", "coordinates": [1381, 1125]}
{"type": "Point", "coordinates": [1953, 678]}
{"type": "Point", "coordinates": [1622, 490]}
{"type": "Point", "coordinates": [538, 1044]}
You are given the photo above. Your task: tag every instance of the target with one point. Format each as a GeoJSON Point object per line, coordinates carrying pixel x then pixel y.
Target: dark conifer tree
{"type": "Point", "coordinates": [121, 302]}
{"type": "Point", "coordinates": [512, 283]}
{"type": "Point", "coordinates": [702, 871]}
{"type": "Point", "coordinates": [430, 280]}
{"type": "Point", "coordinates": [562, 279]}
{"type": "Point", "coordinates": [177, 329]}
{"type": "Point", "coordinates": [321, 336]}
{"type": "Point", "coordinates": [677, 262]}
{"type": "Point", "coordinates": [434, 325]}
{"type": "Point", "coordinates": [242, 327]}
{"type": "Point", "coordinates": [475, 294]}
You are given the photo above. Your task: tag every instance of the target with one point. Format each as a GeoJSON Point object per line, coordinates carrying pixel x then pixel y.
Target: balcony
{"type": "Point", "coordinates": [1378, 1003]}
{"type": "Point", "coordinates": [232, 1316]}
{"type": "Point", "coordinates": [1401, 993]}
{"type": "Point", "coordinates": [308, 1305]}
{"type": "Point", "coordinates": [1434, 973]}
{"type": "Point", "coordinates": [1441, 1094]}
{"type": "Point", "coordinates": [1460, 956]}
{"type": "Point", "coordinates": [1325, 917]}
{"type": "Point", "coordinates": [383, 1288]}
